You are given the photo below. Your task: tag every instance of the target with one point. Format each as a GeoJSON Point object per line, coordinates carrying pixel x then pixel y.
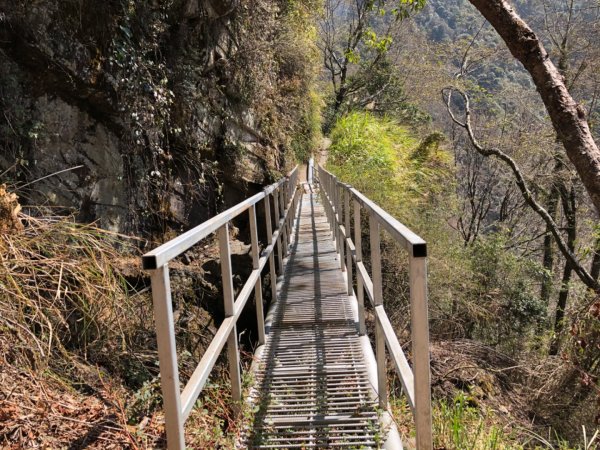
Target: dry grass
{"type": "Point", "coordinates": [59, 291]}
{"type": "Point", "coordinates": [79, 367]}
{"type": "Point", "coordinates": [65, 312]}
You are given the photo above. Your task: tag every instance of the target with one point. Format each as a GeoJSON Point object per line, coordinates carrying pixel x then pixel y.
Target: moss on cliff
{"type": "Point", "coordinates": [164, 111]}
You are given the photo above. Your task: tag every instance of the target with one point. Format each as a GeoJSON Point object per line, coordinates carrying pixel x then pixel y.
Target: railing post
{"type": "Point", "coordinates": [334, 213]}
{"type": "Point", "coordinates": [420, 346]}
{"type": "Point", "coordinates": [348, 236]}
{"type": "Point", "coordinates": [295, 206]}
{"type": "Point", "coordinates": [378, 300]}
{"type": "Point", "coordinates": [326, 197]}
{"type": "Point", "coordinates": [329, 201]}
{"type": "Point", "coordinates": [292, 202]}
{"type": "Point", "coordinates": [283, 230]}
{"type": "Point", "coordinates": [167, 354]}
{"type": "Point", "coordinates": [272, 272]}
{"type": "Point", "coordinates": [278, 228]}
{"type": "Point", "coordinates": [260, 315]}
{"type": "Point", "coordinates": [286, 220]}
{"type": "Point", "coordinates": [229, 306]}
{"type": "Point", "coordinates": [360, 290]}
{"type": "Point", "coordinates": [287, 204]}
{"type": "Point", "coordinates": [340, 219]}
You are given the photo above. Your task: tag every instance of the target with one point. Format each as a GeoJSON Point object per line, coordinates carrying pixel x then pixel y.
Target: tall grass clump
{"type": "Point", "coordinates": [60, 294]}
{"type": "Point", "coordinates": [460, 426]}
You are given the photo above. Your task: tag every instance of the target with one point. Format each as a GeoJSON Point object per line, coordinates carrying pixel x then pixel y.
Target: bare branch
{"type": "Point", "coordinates": [583, 274]}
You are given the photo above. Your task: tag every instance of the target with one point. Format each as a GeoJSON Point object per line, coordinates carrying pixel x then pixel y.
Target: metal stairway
{"type": "Point", "coordinates": [312, 386]}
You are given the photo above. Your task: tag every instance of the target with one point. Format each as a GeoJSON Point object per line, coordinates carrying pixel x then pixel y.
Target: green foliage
{"type": "Point", "coordinates": [483, 292]}
{"type": "Point", "coordinates": [144, 401]}
{"type": "Point", "coordinates": [363, 151]}
{"type": "Point", "coordinates": [494, 300]}
{"type": "Point", "coordinates": [379, 44]}
{"type": "Point", "coordinates": [461, 426]}
{"type": "Point", "coordinates": [308, 133]}
{"type": "Point", "coordinates": [355, 53]}
{"type": "Point", "coordinates": [376, 155]}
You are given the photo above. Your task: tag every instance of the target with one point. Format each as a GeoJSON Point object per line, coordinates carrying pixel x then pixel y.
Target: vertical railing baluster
{"type": "Point", "coordinates": [334, 235]}
{"type": "Point", "coordinates": [258, 300]}
{"type": "Point", "coordinates": [291, 202]}
{"type": "Point", "coordinates": [272, 272]}
{"type": "Point", "coordinates": [378, 300]}
{"type": "Point", "coordinates": [229, 307]}
{"type": "Point", "coordinates": [167, 354]}
{"type": "Point", "coordinates": [282, 223]}
{"type": "Point", "coordinates": [284, 205]}
{"type": "Point", "coordinates": [278, 228]}
{"type": "Point", "coordinates": [420, 347]}
{"type": "Point", "coordinates": [296, 197]}
{"type": "Point", "coordinates": [360, 291]}
{"type": "Point", "coordinates": [341, 240]}
{"type": "Point", "coordinates": [348, 236]}
{"type": "Point", "coordinates": [329, 202]}
{"type": "Point", "coordinates": [326, 197]}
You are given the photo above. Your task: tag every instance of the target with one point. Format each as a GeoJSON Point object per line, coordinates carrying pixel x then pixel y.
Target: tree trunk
{"type": "Point", "coordinates": [568, 118]}
{"type": "Point", "coordinates": [569, 208]}
{"type": "Point", "coordinates": [595, 269]}
{"type": "Point", "coordinates": [548, 258]}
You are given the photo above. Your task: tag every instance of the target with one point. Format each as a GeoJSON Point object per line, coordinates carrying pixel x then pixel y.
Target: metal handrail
{"type": "Point", "coordinates": [177, 404]}
{"type": "Point", "coordinates": [416, 381]}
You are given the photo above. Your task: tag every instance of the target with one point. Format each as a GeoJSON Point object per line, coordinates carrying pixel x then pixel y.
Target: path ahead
{"type": "Point", "coordinates": [312, 386]}
{"type": "Point", "coordinates": [318, 383]}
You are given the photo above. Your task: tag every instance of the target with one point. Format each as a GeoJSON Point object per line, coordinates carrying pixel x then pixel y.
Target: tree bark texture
{"type": "Point", "coordinates": [570, 211]}
{"type": "Point", "coordinates": [548, 258]}
{"type": "Point", "coordinates": [568, 118]}
{"type": "Point", "coordinates": [595, 269]}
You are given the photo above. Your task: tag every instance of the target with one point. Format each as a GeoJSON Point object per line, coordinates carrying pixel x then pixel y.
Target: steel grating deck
{"type": "Point", "coordinates": [312, 388]}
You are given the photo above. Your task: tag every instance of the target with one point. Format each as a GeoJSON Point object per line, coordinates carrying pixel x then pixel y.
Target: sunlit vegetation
{"type": "Point", "coordinates": [150, 117]}
{"type": "Point", "coordinates": [498, 286]}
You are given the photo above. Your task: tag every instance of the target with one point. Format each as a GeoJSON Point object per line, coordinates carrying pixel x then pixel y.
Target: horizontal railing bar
{"type": "Point", "coordinates": [205, 366]}
{"type": "Point", "coordinates": [352, 248]}
{"type": "Point", "coordinates": [244, 294]}
{"type": "Point", "coordinates": [409, 240]}
{"type": "Point", "coordinates": [269, 248]}
{"type": "Point", "coordinates": [169, 250]}
{"type": "Point", "coordinates": [402, 367]}
{"type": "Point", "coordinates": [269, 189]}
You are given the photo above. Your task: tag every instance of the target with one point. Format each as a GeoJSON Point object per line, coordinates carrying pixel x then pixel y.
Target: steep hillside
{"type": "Point", "coordinates": [154, 113]}
{"type": "Point", "coordinates": [131, 118]}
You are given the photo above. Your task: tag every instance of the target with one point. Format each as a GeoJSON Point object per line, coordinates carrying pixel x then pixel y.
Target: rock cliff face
{"type": "Point", "coordinates": [149, 115]}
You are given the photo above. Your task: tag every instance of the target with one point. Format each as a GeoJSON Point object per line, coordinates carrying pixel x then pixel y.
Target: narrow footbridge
{"type": "Point", "coordinates": [316, 381]}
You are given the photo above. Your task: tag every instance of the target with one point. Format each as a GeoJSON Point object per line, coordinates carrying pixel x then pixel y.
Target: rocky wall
{"type": "Point", "coordinates": [145, 116]}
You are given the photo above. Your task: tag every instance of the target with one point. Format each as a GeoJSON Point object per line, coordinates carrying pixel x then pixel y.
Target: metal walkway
{"type": "Point", "coordinates": [312, 386]}
{"type": "Point", "coordinates": [319, 382]}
